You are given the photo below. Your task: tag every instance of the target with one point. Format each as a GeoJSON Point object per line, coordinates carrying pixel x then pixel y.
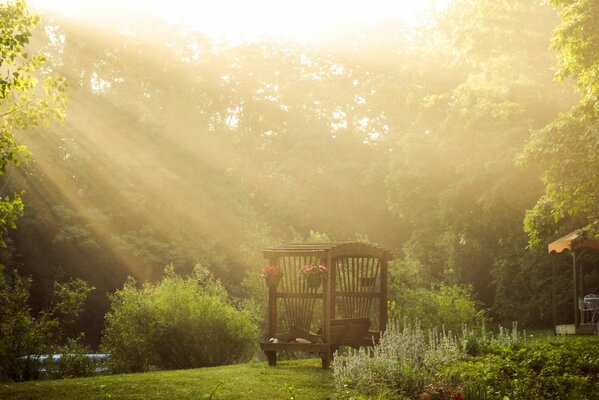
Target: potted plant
{"type": "Point", "coordinates": [272, 275]}
{"type": "Point", "coordinates": [314, 274]}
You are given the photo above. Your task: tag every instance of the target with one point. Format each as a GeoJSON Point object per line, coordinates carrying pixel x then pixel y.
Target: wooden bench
{"type": "Point", "coordinates": [344, 332]}
{"type": "Point", "coordinates": [350, 332]}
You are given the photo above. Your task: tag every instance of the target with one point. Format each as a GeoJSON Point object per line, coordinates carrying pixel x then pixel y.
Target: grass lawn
{"type": "Point", "coordinates": [254, 380]}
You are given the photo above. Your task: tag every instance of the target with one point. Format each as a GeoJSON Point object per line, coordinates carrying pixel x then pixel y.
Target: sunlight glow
{"type": "Point", "coordinates": [236, 20]}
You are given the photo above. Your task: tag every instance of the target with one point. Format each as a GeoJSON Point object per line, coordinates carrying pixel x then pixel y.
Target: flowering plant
{"type": "Point", "coordinates": [271, 271]}
{"type": "Point", "coordinates": [314, 270]}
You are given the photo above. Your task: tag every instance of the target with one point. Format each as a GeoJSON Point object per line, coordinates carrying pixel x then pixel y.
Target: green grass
{"type": "Point", "coordinates": [256, 380]}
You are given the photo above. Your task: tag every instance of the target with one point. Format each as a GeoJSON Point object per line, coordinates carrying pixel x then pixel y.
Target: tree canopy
{"type": "Point", "coordinates": [178, 150]}
{"type": "Point", "coordinates": [567, 149]}
{"type": "Point", "coordinates": [24, 103]}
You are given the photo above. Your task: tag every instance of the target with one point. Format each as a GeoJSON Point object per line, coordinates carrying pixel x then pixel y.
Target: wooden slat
{"type": "Point", "coordinates": [348, 249]}
{"type": "Point", "coordinates": [286, 287]}
{"type": "Point", "coordinates": [308, 347]}
{"type": "Point", "coordinates": [327, 316]}
{"type": "Point", "coordinates": [383, 302]}
{"type": "Point", "coordinates": [349, 331]}
{"type": "Point", "coordinates": [272, 308]}
{"type": "Point", "coordinates": [294, 295]}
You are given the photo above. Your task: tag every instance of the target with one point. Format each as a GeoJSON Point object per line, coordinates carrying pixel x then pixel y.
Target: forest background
{"type": "Point", "coordinates": [432, 142]}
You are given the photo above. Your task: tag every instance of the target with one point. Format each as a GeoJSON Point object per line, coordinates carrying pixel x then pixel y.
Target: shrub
{"type": "Point", "coordinates": [176, 323]}
{"type": "Point", "coordinates": [448, 306]}
{"type": "Point", "coordinates": [560, 369]}
{"type": "Point", "coordinates": [72, 362]}
{"type": "Point", "coordinates": [25, 337]}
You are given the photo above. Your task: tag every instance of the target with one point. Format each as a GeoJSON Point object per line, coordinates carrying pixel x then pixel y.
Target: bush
{"type": "Point", "coordinates": [554, 369]}
{"type": "Point", "coordinates": [176, 323]}
{"type": "Point", "coordinates": [444, 306]}
{"type": "Point", "coordinates": [72, 362]}
{"type": "Point", "coordinates": [23, 337]}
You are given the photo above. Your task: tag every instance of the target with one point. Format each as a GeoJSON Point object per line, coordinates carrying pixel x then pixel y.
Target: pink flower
{"type": "Point", "coordinates": [271, 271]}
{"type": "Point", "coordinates": [312, 269]}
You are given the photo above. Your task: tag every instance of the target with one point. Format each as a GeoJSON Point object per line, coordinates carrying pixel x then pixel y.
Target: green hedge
{"type": "Point", "coordinates": [176, 323]}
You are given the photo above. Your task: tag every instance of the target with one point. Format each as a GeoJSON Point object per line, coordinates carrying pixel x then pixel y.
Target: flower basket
{"type": "Point", "coordinates": [272, 275]}
{"type": "Point", "coordinates": [313, 275]}
{"type": "Point", "coordinates": [313, 281]}
{"type": "Point", "coordinates": [272, 281]}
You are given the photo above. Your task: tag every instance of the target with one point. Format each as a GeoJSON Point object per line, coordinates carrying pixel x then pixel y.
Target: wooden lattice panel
{"type": "Point", "coordinates": [299, 300]}
{"type": "Point", "coordinates": [357, 283]}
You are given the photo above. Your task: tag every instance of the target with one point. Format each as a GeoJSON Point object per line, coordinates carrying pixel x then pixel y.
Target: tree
{"type": "Point", "coordinates": [24, 103]}
{"type": "Point", "coordinates": [567, 149]}
{"type": "Point", "coordinates": [455, 183]}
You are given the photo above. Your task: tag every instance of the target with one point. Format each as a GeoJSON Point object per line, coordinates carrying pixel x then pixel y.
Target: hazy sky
{"type": "Point", "coordinates": [242, 19]}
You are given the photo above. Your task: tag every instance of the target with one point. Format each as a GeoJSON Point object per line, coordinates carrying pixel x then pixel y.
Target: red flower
{"type": "Point", "coordinates": [272, 270]}
{"type": "Point", "coordinates": [319, 270]}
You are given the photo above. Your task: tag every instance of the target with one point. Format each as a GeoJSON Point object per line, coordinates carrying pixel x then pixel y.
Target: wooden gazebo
{"type": "Point", "coordinates": [585, 305]}
{"type": "Point", "coordinates": [348, 307]}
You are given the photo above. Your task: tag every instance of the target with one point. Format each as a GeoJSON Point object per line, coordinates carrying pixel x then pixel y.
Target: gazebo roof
{"type": "Point", "coordinates": [577, 239]}
{"type": "Point", "coordinates": [337, 249]}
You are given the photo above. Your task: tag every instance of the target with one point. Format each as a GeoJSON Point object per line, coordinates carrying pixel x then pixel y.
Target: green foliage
{"type": "Point", "coordinates": [10, 210]}
{"type": "Point", "coordinates": [20, 334]}
{"type": "Point", "coordinates": [23, 104]}
{"type": "Point", "coordinates": [505, 365]}
{"type": "Point", "coordinates": [567, 149]}
{"type": "Point", "coordinates": [448, 306]}
{"type": "Point", "coordinates": [23, 336]}
{"type": "Point", "coordinates": [176, 323]}
{"type": "Point", "coordinates": [523, 289]}
{"type": "Point", "coordinates": [69, 298]}
{"type": "Point", "coordinates": [404, 361]}
{"type": "Point", "coordinates": [454, 183]}
{"type": "Point", "coordinates": [478, 340]}
{"type": "Point", "coordinates": [577, 40]}
{"type": "Point", "coordinates": [73, 361]}
{"type": "Point", "coordinates": [558, 368]}
{"type": "Point", "coordinates": [407, 137]}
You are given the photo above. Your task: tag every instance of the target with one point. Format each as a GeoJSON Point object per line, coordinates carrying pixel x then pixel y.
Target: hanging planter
{"type": "Point", "coordinates": [314, 275]}
{"type": "Point", "coordinates": [272, 275]}
{"type": "Point", "coordinates": [272, 281]}
{"type": "Point", "coordinates": [313, 281]}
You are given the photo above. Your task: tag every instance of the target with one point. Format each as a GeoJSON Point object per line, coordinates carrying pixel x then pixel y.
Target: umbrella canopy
{"type": "Point", "coordinates": [578, 239]}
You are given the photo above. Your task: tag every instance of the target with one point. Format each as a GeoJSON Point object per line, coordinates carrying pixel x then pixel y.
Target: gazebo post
{"type": "Point", "coordinates": [272, 317]}
{"type": "Point", "coordinates": [575, 276]}
{"type": "Point", "coordinates": [553, 300]}
{"type": "Point", "coordinates": [383, 304]}
{"type": "Point", "coordinates": [580, 273]}
{"type": "Point", "coordinates": [328, 308]}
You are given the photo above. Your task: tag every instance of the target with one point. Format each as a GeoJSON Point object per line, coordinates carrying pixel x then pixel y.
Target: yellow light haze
{"type": "Point", "coordinates": [238, 20]}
